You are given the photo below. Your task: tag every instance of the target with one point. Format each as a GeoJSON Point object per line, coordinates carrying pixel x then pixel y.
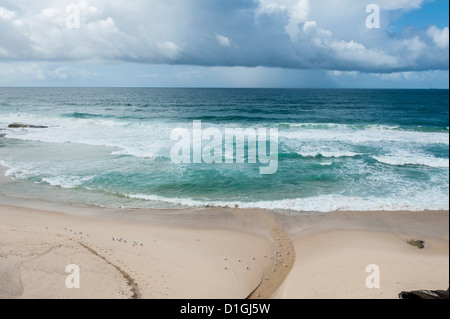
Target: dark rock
{"type": "Point", "coordinates": [424, 294]}
{"type": "Point", "coordinates": [417, 243]}
{"type": "Point", "coordinates": [20, 125]}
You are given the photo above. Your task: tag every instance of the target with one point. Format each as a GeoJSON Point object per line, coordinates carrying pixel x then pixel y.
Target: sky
{"type": "Point", "coordinates": [224, 43]}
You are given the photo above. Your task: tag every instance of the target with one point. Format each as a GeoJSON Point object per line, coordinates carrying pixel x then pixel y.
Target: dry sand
{"type": "Point", "coordinates": [183, 253]}
{"type": "Point", "coordinates": [35, 249]}
{"type": "Point", "coordinates": [333, 265]}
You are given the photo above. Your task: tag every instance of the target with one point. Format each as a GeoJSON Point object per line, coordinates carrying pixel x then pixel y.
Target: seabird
{"type": "Point", "coordinates": [258, 295]}
{"type": "Point", "coordinates": [253, 258]}
{"type": "Point", "coordinates": [247, 267]}
{"type": "Point", "coordinates": [267, 278]}
{"type": "Point", "coordinates": [265, 256]}
{"type": "Point", "coordinates": [274, 269]}
{"type": "Point", "coordinates": [224, 258]}
{"type": "Point", "coordinates": [285, 265]}
{"type": "Point", "coordinates": [239, 260]}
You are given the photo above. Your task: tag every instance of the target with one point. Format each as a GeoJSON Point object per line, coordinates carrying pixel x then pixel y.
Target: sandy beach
{"type": "Point", "coordinates": [172, 263]}
{"type": "Point", "coordinates": [217, 253]}
{"type": "Point", "coordinates": [224, 150]}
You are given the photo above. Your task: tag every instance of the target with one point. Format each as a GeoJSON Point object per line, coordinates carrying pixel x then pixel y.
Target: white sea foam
{"type": "Point", "coordinates": [324, 203]}
{"type": "Point", "coordinates": [4, 164]}
{"type": "Point", "coordinates": [67, 182]}
{"type": "Point", "coordinates": [333, 126]}
{"type": "Point", "coordinates": [15, 171]}
{"type": "Point", "coordinates": [413, 160]}
{"type": "Point", "coordinates": [135, 139]}
{"type": "Point", "coordinates": [153, 139]}
{"type": "Point", "coordinates": [354, 136]}
{"type": "Point", "coordinates": [51, 176]}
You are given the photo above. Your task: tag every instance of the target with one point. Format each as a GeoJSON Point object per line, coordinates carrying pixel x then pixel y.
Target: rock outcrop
{"type": "Point", "coordinates": [417, 243]}
{"type": "Point", "coordinates": [425, 294]}
{"type": "Point", "coordinates": [20, 125]}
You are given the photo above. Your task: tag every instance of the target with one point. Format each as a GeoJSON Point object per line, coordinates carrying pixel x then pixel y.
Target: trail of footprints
{"type": "Point", "coordinates": [282, 257]}
{"type": "Point", "coordinates": [151, 282]}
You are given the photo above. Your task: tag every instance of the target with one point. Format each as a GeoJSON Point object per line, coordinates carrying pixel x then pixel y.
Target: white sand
{"type": "Point", "coordinates": [333, 265]}
{"type": "Point", "coordinates": [171, 264]}
{"type": "Point", "coordinates": [183, 253]}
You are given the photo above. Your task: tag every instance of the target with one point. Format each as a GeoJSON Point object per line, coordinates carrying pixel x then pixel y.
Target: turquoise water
{"type": "Point", "coordinates": [339, 149]}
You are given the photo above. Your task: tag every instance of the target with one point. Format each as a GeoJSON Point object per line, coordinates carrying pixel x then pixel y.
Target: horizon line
{"type": "Point", "coordinates": [219, 87]}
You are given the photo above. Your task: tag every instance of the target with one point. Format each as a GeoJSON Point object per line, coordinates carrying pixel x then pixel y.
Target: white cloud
{"type": "Point", "coordinates": [299, 34]}
{"type": "Point", "coordinates": [6, 14]}
{"type": "Point", "coordinates": [49, 13]}
{"type": "Point", "coordinates": [169, 49]}
{"type": "Point", "coordinates": [440, 37]}
{"type": "Point", "coordinates": [60, 73]}
{"type": "Point", "coordinates": [224, 41]}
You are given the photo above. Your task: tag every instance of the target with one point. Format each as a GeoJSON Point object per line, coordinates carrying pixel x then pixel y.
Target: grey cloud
{"type": "Point", "coordinates": [327, 34]}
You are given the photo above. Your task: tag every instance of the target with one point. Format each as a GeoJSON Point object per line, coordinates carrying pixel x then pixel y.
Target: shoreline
{"type": "Point", "coordinates": [183, 253]}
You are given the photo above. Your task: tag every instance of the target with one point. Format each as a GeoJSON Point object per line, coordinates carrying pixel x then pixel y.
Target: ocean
{"type": "Point", "coordinates": [348, 150]}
